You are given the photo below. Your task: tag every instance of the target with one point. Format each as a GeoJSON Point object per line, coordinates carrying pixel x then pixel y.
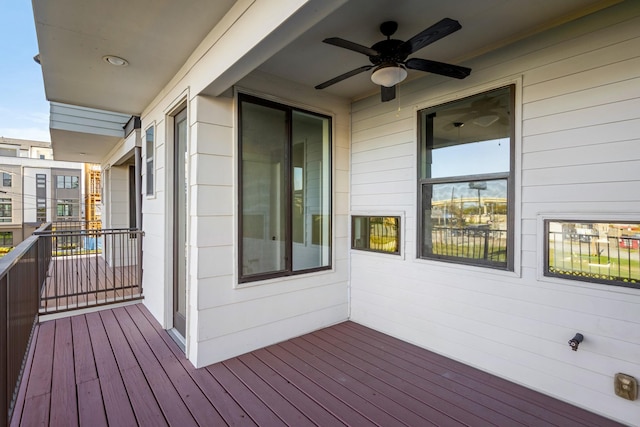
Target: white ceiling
{"type": "Point", "coordinates": [157, 36]}
{"type": "Point", "coordinates": [486, 25]}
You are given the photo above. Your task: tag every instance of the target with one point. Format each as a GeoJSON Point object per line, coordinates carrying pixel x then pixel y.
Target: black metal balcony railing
{"type": "Point", "coordinates": [610, 260]}
{"type": "Point", "coordinates": [58, 269]}
{"type": "Point", "coordinates": [91, 268]}
{"type": "Point", "coordinates": [476, 243]}
{"type": "Point", "coordinates": [22, 272]}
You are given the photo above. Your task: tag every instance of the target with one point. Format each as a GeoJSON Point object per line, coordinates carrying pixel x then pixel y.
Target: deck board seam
{"type": "Point", "coordinates": [535, 408]}
{"type": "Point", "coordinates": [470, 402]}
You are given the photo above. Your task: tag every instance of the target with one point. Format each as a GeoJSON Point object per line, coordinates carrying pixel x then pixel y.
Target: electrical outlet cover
{"type": "Point", "coordinates": [626, 386]}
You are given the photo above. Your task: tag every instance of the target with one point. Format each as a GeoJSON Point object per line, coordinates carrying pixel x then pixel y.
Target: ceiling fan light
{"type": "Point", "coordinates": [389, 75]}
{"type": "Point", "coordinates": [486, 120]}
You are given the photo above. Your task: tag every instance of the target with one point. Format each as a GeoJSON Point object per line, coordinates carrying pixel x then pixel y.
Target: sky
{"type": "Point", "coordinates": [24, 110]}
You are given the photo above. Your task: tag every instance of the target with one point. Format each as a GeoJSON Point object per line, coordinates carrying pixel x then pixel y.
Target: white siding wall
{"type": "Point", "coordinates": [118, 187]}
{"type": "Point", "coordinates": [156, 288]}
{"type": "Point", "coordinates": [228, 319]}
{"type": "Point", "coordinates": [577, 152]}
{"type": "Point", "coordinates": [225, 319]}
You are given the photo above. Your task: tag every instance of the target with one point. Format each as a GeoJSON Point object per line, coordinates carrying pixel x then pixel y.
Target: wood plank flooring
{"type": "Point", "coordinates": [119, 368]}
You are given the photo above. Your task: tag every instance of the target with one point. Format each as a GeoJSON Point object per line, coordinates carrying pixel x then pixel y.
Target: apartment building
{"type": "Point", "coordinates": [35, 188]}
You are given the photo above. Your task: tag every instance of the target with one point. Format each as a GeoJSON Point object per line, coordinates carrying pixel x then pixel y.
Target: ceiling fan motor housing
{"type": "Point", "coordinates": [391, 51]}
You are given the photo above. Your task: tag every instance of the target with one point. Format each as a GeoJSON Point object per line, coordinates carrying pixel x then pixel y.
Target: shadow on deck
{"type": "Point", "coordinates": [119, 367]}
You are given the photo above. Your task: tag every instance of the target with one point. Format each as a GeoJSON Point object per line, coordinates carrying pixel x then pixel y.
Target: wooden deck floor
{"type": "Point", "coordinates": [86, 280]}
{"type": "Point", "coordinates": [119, 368]}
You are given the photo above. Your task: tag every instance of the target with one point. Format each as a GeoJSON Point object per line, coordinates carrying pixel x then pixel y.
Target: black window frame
{"type": "Point", "coordinates": [67, 182]}
{"type": "Point", "coordinates": [6, 207]}
{"type": "Point", "coordinates": [589, 244]}
{"type": "Point", "coordinates": [509, 177]}
{"type": "Point", "coordinates": [368, 218]}
{"type": "Point", "coordinates": [6, 238]}
{"type": "Point", "coordinates": [150, 155]}
{"type": "Point", "coordinates": [68, 207]}
{"type": "Point", "coordinates": [41, 197]}
{"type": "Point", "coordinates": [288, 271]}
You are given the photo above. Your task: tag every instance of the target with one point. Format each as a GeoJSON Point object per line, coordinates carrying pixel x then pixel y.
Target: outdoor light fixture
{"type": "Point", "coordinates": [115, 60]}
{"type": "Point", "coordinates": [486, 120]}
{"type": "Point", "coordinates": [389, 75]}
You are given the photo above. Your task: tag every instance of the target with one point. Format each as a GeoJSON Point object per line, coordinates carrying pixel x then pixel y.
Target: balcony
{"type": "Point", "coordinates": [118, 366]}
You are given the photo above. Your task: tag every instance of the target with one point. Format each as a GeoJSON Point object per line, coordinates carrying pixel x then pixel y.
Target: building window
{"type": "Point", "coordinates": [5, 210]}
{"type": "Point", "coordinates": [67, 182]}
{"type": "Point", "coordinates": [150, 153]}
{"type": "Point", "coordinates": [600, 252]}
{"type": "Point", "coordinates": [6, 238]}
{"type": "Point", "coordinates": [67, 208]}
{"type": "Point", "coordinates": [285, 190]}
{"type": "Point", "coordinates": [465, 182]}
{"type": "Point", "coordinates": [6, 179]}
{"type": "Point", "coordinates": [41, 197]}
{"type": "Point", "coordinates": [376, 233]}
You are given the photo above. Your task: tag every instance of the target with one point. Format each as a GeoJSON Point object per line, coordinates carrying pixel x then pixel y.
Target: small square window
{"type": "Point", "coordinates": [376, 234]}
{"type": "Point", "coordinates": [605, 252]}
{"type": "Point", "coordinates": [6, 179]}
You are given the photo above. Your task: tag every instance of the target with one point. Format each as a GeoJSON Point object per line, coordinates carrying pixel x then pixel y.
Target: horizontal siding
{"type": "Point", "coordinates": [229, 319]}
{"type": "Point", "coordinates": [583, 137]}
{"type": "Point", "coordinates": [589, 173]}
{"type": "Point", "coordinates": [578, 153]}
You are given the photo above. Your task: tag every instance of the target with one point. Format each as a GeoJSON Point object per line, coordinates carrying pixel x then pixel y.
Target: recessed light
{"type": "Point", "coordinates": [115, 60]}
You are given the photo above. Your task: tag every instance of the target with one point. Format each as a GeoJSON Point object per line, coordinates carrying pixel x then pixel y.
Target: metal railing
{"type": "Point", "coordinates": [22, 272]}
{"type": "Point", "coordinates": [473, 242]}
{"type": "Point", "coordinates": [91, 268]}
{"type": "Point", "coordinates": [611, 260]}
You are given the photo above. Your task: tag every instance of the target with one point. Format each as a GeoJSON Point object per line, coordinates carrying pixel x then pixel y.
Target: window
{"type": "Point", "coordinates": [5, 210]}
{"type": "Point", "coordinates": [41, 197]}
{"type": "Point", "coordinates": [150, 147]}
{"type": "Point", "coordinates": [8, 152]}
{"type": "Point", "coordinates": [285, 190]}
{"type": "Point", "coordinates": [465, 182]}
{"type": "Point", "coordinates": [67, 182]}
{"type": "Point", "coordinates": [6, 238]}
{"type": "Point", "coordinates": [600, 252]}
{"type": "Point", "coordinates": [67, 208]}
{"type": "Point", "coordinates": [376, 233]}
{"type": "Point", "coordinates": [6, 179]}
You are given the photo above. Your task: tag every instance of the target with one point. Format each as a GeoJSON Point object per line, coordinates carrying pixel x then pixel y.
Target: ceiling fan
{"type": "Point", "coordinates": [389, 57]}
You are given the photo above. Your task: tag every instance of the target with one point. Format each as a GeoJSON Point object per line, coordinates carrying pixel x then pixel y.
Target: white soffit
{"type": "Point", "coordinates": [81, 134]}
{"type": "Point", "coordinates": [155, 36]}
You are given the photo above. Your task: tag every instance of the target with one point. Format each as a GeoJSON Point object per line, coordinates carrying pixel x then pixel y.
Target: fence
{"type": "Point", "coordinates": [22, 272]}
{"type": "Point", "coordinates": [91, 268]}
{"type": "Point", "coordinates": [477, 243]}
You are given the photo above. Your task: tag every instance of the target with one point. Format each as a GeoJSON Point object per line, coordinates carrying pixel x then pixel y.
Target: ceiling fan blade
{"type": "Point", "coordinates": [435, 67]}
{"type": "Point", "coordinates": [431, 34]}
{"type": "Point", "coordinates": [387, 93]}
{"type": "Point", "coordinates": [346, 44]}
{"type": "Point", "coordinates": [344, 76]}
